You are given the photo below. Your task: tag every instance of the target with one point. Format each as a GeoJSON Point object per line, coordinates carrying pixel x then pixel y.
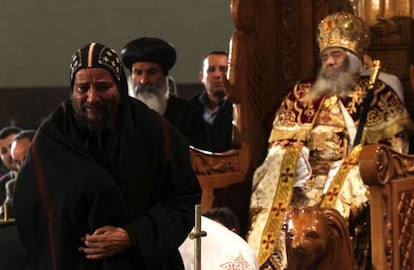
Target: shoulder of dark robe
{"type": "Point", "coordinates": [195, 99]}
{"type": "Point", "coordinates": [62, 193]}
{"type": "Point", "coordinates": [187, 118]}
{"type": "Point", "coordinates": [223, 128]}
{"type": "Point", "coordinates": [221, 131]}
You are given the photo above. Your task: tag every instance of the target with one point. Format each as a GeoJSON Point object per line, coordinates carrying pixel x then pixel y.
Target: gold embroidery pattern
{"type": "Point", "coordinates": [327, 140]}
{"type": "Point", "coordinates": [301, 104]}
{"type": "Point", "coordinates": [357, 96]}
{"type": "Point", "coordinates": [280, 204]}
{"type": "Point", "coordinates": [387, 107]}
{"type": "Point", "coordinates": [350, 161]}
{"type": "Point", "coordinates": [329, 103]}
{"type": "Point", "coordinates": [286, 115]}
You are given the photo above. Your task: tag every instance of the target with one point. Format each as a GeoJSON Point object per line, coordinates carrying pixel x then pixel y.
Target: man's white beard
{"type": "Point", "coordinates": [340, 85]}
{"type": "Point", "coordinates": [341, 82]}
{"type": "Point", "coordinates": [154, 96]}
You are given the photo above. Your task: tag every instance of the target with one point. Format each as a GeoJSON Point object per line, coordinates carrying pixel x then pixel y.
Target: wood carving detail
{"type": "Point", "coordinates": [325, 7]}
{"type": "Point", "coordinates": [385, 164]}
{"type": "Point", "coordinates": [406, 221]}
{"type": "Point", "coordinates": [216, 163]}
{"type": "Point", "coordinates": [289, 32]}
{"type": "Point", "coordinates": [394, 31]}
{"type": "Point", "coordinates": [388, 251]}
{"type": "Point", "coordinates": [390, 177]}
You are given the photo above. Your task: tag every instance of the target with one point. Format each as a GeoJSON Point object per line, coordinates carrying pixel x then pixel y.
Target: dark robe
{"type": "Point", "coordinates": [188, 119]}
{"type": "Point", "coordinates": [140, 179]}
{"type": "Point", "coordinates": [12, 255]}
{"type": "Point", "coordinates": [221, 130]}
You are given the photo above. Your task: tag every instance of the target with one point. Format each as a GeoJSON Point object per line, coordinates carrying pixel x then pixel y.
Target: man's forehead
{"type": "Point", "coordinates": [146, 65]}
{"type": "Point", "coordinates": [216, 59]}
{"type": "Point", "coordinates": [96, 73]}
{"type": "Point", "coordinates": [23, 142]}
{"type": "Point", "coordinates": [8, 139]}
{"type": "Point", "coordinates": [332, 50]}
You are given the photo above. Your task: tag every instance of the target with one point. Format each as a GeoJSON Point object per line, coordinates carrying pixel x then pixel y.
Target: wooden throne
{"type": "Point", "coordinates": [274, 46]}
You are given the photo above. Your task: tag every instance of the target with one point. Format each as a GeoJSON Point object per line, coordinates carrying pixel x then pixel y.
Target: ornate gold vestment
{"type": "Point", "coordinates": [311, 159]}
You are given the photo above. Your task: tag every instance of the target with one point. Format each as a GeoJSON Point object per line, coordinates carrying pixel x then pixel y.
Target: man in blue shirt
{"type": "Point", "coordinates": [212, 102]}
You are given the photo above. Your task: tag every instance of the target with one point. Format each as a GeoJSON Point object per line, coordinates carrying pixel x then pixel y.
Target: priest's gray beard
{"type": "Point", "coordinates": [340, 81]}
{"type": "Point", "coordinates": [154, 96]}
{"type": "Point", "coordinates": [338, 85]}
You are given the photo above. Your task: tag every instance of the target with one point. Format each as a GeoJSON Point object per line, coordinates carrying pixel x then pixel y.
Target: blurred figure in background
{"type": "Point", "coordinates": [19, 147]}
{"type": "Point", "coordinates": [6, 137]}
{"type": "Point", "coordinates": [225, 216]}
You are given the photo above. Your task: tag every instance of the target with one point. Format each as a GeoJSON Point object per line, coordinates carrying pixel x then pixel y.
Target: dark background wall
{"type": "Point", "coordinates": [39, 37]}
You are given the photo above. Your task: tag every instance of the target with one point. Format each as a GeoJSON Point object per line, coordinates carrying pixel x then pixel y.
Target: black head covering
{"type": "Point", "coordinates": [149, 49]}
{"type": "Point", "coordinates": [96, 55]}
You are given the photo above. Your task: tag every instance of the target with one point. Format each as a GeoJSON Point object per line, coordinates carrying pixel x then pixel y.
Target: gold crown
{"type": "Point", "coordinates": [344, 30]}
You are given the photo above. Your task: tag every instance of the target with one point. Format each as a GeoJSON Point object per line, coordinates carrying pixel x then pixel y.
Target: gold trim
{"type": "Point", "coordinates": [299, 134]}
{"type": "Point", "coordinates": [280, 204]}
{"type": "Point", "coordinates": [331, 195]}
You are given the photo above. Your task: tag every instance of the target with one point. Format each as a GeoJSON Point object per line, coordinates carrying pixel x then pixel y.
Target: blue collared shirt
{"type": "Point", "coordinates": [210, 115]}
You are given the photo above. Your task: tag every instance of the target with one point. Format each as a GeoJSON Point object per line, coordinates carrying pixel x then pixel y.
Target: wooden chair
{"type": "Point", "coordinates": [390, 177]}
{"type": "Point", "coordinates": [217, 170]}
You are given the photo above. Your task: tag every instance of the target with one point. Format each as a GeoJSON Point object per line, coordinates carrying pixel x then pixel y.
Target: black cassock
{"type": "Point", "coordinates": [138, 177]}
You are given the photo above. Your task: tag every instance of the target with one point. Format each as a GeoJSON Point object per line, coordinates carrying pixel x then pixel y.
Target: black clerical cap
{"type": "Point", "coordinates": [149, 49]}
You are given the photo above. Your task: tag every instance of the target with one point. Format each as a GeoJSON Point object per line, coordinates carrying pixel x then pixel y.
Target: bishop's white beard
{"type": "Point", "coordinates": [339, 85]}
{"type": "Point", "coordinates": [341, 82]}
{"type": "Point", "coordinates": [154, 96]}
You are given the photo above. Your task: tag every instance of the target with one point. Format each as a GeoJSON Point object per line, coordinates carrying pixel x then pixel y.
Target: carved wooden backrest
{"type": "Point", "coordinates": [217, 170]}
{"type": "Point", "coordinates": [390, 177]}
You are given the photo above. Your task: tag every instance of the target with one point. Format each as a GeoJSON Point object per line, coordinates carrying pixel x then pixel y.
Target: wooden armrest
{"type": "Point", "coordinates": [390, 177]}
{"type": "Point", "coordinates": [380, 164]}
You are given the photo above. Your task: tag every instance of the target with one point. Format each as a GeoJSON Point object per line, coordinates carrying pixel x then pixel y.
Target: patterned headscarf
{"type": "Point", "coordinates": [96, 55]}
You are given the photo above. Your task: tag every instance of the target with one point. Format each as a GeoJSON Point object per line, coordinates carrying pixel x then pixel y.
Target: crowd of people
{"type": "Point", "coordinates": [14, 144]}
{"type": "Point", "coordinates": [106, 180]}
{"type": "Point", "coordinates": [109, 170]}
